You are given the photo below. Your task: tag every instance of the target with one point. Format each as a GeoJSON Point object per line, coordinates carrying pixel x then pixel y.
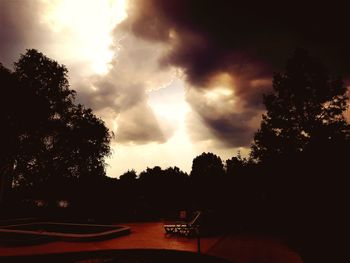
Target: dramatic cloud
{"type": "Point", "coordinates": [122, 94]}
{"type": "Point", "coordinates": [229, 113]}
{"type": "Point", "coordinates": [81, 43]}
{"type": "Point", "coordinates": [208, 39]}
{"type": "Point", "coordinates": [139, 125]}
{"type": "Point", "coordinates": [174, 78]}
{"type": "Point", "coordinates": [19, 26]}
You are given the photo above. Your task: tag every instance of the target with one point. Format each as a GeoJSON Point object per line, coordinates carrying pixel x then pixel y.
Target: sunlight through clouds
{"type": "Point", "coordinates": [125, 80]}
{"type": "Point", "coordinates": [85, 28]}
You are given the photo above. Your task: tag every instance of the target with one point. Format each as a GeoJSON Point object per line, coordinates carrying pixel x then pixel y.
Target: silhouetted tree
{"type": "Point", "coordinates": [46, 134]}
{"type": "Point", "coordinates": [302, 147]}
{"type": "Point", "coordinates": [152, 187]}
{"type": "Point", "coordinates": [306, 107]}
{"type": "Point", "coordinates": [207, 165]}
{"type": "Point", "coordinates": [9, 128]}
{"type": "Point", "coordinates": [207, 180]}
{"type": "Point", "coordinates": [176, 189]}
{"type": "Point", "coordinates": [129, 176]}
{"type": "Point", "coordinates": [159, 192]}
{"type": "Point", "coordinates": [235, 165]}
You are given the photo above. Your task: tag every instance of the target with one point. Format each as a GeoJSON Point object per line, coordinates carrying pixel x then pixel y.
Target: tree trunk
{"type": "Point", "coordinates": [6, 171]}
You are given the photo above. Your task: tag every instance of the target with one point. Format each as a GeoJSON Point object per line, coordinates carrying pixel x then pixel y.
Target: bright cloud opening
{"type": "Point", "coordinates": [217, 93]}
{"type": "Point", "coordinates": [85, 27]}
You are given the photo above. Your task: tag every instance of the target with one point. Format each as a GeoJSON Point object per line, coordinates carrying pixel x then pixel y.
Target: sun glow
{"type": "Point", "coordinates": [217, 93]}
{"type": "Point", "coordinates": [85, 27]}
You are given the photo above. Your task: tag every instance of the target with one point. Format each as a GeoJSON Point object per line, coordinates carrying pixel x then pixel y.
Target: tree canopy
{"type": "Point", "coordinates": [305, 109]}
{"type": "Point", "coordinates": [46, 134]}
{"type": "Point", "coordinates": [207, 165]}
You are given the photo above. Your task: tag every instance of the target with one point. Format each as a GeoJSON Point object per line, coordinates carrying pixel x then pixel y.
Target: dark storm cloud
{"type": "Point", "coordinates": [19, 29]}
{"type": "Point", "coordinates": [204, 38]}
{"type": "Point", "coordinates": [247, 41]}
{"type": "Point", "coordinates": [230, 118]}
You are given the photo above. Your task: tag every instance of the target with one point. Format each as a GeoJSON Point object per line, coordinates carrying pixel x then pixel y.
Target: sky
{"type": "Point", "coordinates": [172, 79]}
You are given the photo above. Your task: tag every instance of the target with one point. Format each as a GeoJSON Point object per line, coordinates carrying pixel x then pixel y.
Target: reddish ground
{"type": "Point", "coordinates": [239, 249]}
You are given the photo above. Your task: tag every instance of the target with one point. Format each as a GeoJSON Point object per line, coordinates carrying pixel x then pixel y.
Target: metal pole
{"type": "Point", "coordinates": [198, 241]}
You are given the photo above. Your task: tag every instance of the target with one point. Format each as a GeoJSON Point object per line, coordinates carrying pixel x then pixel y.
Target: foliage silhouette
{"type": "Point", "coordinates": [46, 135]}
{"type": "Point", "coordinates": [128, 177]}
{"type": "Point", "coordinates": [302, 149]}
{"type": "Point", "coordinates": [305, 108]}
{"type": "Point", "coordinates": [207, 165]}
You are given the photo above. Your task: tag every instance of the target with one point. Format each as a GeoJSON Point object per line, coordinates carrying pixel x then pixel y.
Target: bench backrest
{"type": "Point", "coordinates": [195, 218]}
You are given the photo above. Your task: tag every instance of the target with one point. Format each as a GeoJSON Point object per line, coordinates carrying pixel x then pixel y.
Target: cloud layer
{"type": "Point", "coordinates": [246, 43]}
{"type": "Point", "coordinates": [122, 94]}
{"type": "Point", "coordinates": [226, 50]}
{"type": "Point", "coordinates": [120, 97]}
{"type": "Point", "coordinates": [19, 26]}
